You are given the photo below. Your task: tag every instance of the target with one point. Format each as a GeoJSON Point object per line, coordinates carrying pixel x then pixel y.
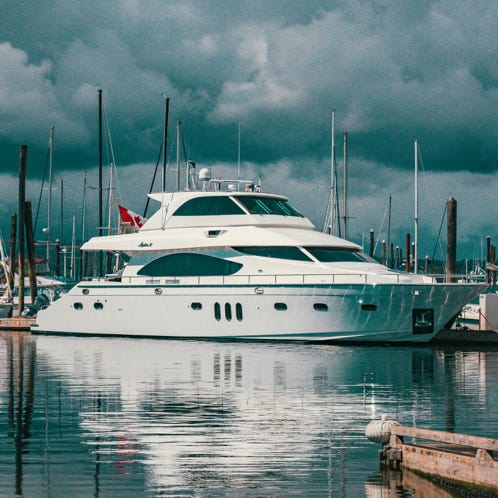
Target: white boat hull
{"type": "Point", "coordinates": [354, 312]}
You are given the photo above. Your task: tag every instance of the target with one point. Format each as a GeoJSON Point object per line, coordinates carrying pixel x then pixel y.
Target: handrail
{"type": "Point", "coordinates": [276, 279]}
{"type": "Point", "coordinates": [446, 437]}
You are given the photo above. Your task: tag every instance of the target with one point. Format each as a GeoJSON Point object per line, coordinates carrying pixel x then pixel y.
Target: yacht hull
{"type": "Point", "coordinates": [301, 312]}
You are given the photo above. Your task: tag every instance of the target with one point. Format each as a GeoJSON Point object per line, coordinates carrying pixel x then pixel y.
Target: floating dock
{"type": "Point", "coordinates": [16, 324]}
{"type": "Point", "coordinates": [456, 458]}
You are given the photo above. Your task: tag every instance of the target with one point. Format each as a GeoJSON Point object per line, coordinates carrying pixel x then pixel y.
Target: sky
{"type": "Point", "coordinates": [392, 72]}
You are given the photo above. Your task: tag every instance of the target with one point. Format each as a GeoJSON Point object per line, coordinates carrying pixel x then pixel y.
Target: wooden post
{"type": "Point", "coordinates": [30, 243]}
{"type": "Point", "coordinates": [488, 258]}
{"type": "Point", "coordinates": [451, 240]}
{"type": "Point", "coordinates": [20, 232]}
{"type": "Point", "coordinates": [12, 254]}
{"type": "Point", "coordinates": [408, 252]}
{"type": "Point", "coordinates": [391, 255]}
{"type": "Point", "coordinates": [427, 262]}
{"type": "Point", "coordinates": [371, 242]}
{"type": "Point", "coordinates": [384, 253]}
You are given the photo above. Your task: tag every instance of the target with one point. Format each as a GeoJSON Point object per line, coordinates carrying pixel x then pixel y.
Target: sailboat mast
{"type": "Point", "coordinates": [165, 140]}
{"type": "Point", "coordinates": [332, 176]}
{"type": "Point", "coordinates": [345, 217]}
{"type": "Point", "coordinates": [415, 255]}
{"type": "Point", "coordinates": [100, 181]}
{"type": "Point", "coordinates": [49, 208]}
{"type": "Point", "coordinates": [83, 215]}
{"type": "Point", "coordinates": [238, 158]}
{"type": "Point", "coordinates": [178, 132]}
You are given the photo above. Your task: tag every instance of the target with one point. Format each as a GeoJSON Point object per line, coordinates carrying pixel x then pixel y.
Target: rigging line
{"type": "Point", "coordinates": [111, 148]}
{"type": "Point", "coordinates": [41, 189]}
{"type": "Point", "coordinates": [440, 228]}
{"type": "Point", "coordinates": [114, 193]}
{"type": "Point", "coordinates": [380, 229]}
{"type": "Point", "coordinates": [153, 178]}
{"type": "Point", "coordinates": [183, 146]}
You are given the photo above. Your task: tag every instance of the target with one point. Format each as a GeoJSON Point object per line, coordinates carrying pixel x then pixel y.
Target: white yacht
{"type": "Point", "coordinates": [231, 262]}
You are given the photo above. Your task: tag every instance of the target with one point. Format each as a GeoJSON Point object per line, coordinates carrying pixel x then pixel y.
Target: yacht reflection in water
{"type": "Point", "coordinates": [83, 416]}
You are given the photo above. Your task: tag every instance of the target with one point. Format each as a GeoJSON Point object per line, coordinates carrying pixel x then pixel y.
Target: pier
{"type": "Point", "coordinates": [457, 458]}
{"type": "Point", "coordinates": [16, 324]}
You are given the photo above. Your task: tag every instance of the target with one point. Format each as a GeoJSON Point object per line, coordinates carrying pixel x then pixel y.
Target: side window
{"type": "Point", "coordinates": [228, 311]}
{"type": "Point", "coordinates": [208, 206]}
{"type": "Point", "coordinates": [217, 311]}
{"type": "Point", "coordinates": [238, 312]}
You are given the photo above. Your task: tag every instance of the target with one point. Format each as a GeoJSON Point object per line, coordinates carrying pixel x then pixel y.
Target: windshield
{"type": "Point", "coordinates": [339, 254]}
{"type": "Point", "coordinates": [267, 205]}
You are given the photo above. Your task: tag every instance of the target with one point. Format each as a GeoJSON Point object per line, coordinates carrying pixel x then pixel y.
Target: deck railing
{"type": "Point", "coordinates": [287, 279]}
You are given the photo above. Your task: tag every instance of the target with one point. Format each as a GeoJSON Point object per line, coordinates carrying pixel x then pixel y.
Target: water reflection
{"type": "Point", "coordinates": [103, 416]}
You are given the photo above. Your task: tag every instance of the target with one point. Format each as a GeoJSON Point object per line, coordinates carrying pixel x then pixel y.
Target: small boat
{"type": "Point", "coordinates": [228, 261]}
{"type": "Point", "coordinates": [6, 300]}
{"type": "Point", "coordinates": [472, 316]}
{"type": "Point", "coordinates": [6, 303]}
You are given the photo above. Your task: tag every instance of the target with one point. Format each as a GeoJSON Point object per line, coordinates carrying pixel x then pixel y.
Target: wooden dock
{"type": "Point", "coordinates": [465, 336]}
{"type": "Point", "coordinates": [456, 458]}
{"type": "Point", "coordinates": [16, 324]}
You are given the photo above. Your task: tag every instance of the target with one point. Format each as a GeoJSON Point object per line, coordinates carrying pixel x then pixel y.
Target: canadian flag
{"type": "Point", "coordinates": [131, 218]}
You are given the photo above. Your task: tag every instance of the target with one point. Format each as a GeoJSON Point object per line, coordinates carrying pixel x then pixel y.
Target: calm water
{"type": "Point", "coordinates": [125, 417]}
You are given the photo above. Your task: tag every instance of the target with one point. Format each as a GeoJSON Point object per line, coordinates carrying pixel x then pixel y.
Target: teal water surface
{"type": "Point", "coordinates": [136, 417]}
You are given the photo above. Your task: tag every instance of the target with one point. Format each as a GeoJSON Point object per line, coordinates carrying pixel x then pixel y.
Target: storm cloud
{"type": "Point", "coordinates": [392, 71]}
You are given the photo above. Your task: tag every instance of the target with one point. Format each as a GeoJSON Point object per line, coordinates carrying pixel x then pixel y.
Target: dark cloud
{"type": "Point", "coordinates": [392, 71]}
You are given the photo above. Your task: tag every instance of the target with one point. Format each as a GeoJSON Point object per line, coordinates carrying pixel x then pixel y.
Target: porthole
{"type": "Point", "coordinates": [86, 291]}
{"type": "Point", "coordinates": [196, 306]}
{"type": "Point", "coordinates": [158, 291]}
{"type": "Point", "coordinates": [280, 306]}
{"type": "Point", "coordinates": [238, 312]}
{"type": "Point", "coordinates": [228, 311]}
{"type": "Point", "coordinates": [98, 305]}
{"type": "Point", "coordinates": [320, 307]}
{"type": "Point", "coordinates": [217, 311]}
{"type": "Point", "coordinates": [78, 306]}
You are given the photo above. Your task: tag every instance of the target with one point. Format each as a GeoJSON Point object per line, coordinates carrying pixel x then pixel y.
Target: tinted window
{"type": "Point", "coordinates": [228, 311]}
{"type": "Point", "coordinates": [321, 307]}
{"type": "Point", "coordinates": [98, 306]}
{"type": "Point", "coordinates": [280, 306]}
{"type": "Point", "coordinates": [217, 311]}
{"type": "Point", "coordinates": [238, 312]}
{"type": "Point", "coordinates": [267, 205]}
{"type": "Point", "coordinates": [189, 264]}
{"type": "Point", "coordinates": [293, 253]}
{"type": "Point", "coordinates": [208, 206]}
{"type": "Point", "coordinates": [78, 306]}
{"type": "Point", "coordinates": [335, 254]}
{"type": "Point", "coordinates": [196, 306]}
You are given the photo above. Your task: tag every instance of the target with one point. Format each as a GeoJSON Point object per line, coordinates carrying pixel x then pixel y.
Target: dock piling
{"type": "Point", "coordinates": [458, 458]}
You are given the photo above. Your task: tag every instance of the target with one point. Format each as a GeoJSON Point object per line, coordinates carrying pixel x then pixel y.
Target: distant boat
{"type": "Point", "coordinates": [471, 315]}
{"type": "Point", "coordinates": [6, 303]}
{"type": "Point", "coordinates": [227, 261]}
{"type": "Point", "coordinates": [6, 300]}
